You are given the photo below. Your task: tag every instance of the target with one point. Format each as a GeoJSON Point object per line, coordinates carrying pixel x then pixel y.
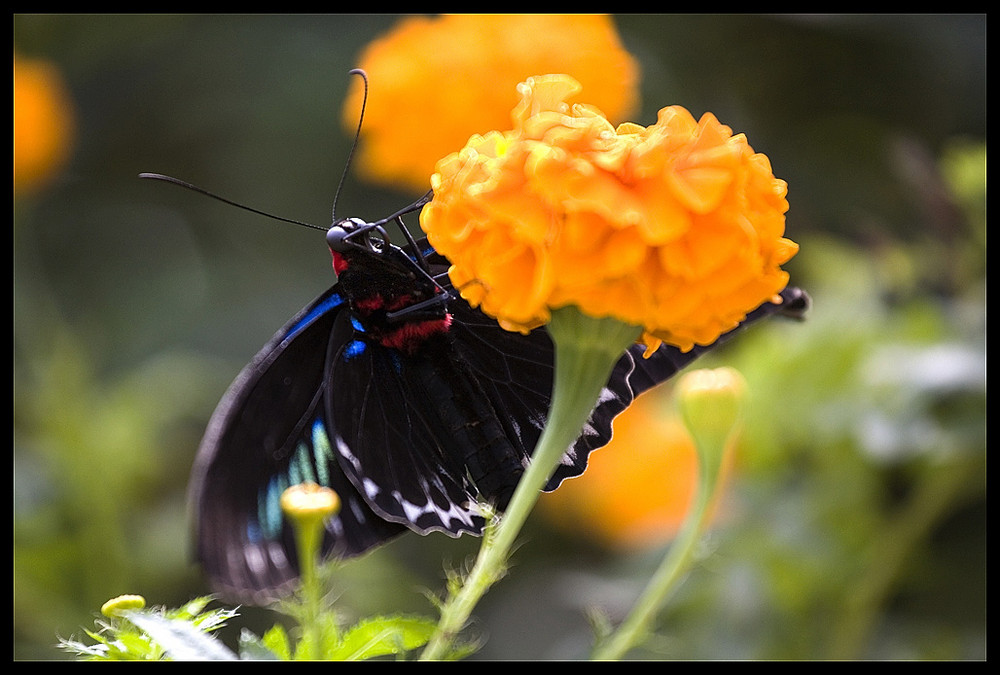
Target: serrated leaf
{"type": "Point", "coordinates": [181, 640]}
{"type": "Point", "coordinates": [379, 636]}
{"type": "Point", "coordinates": [99, 637]}
{"type": "Point", "coordinates": [191, 608]}
{"type": "Point", "coordinates": [132, 642]}
{"type": "Point", "coordinates": [276, 639]}
{"type": "Point", "coordinates": [267, 648]}
{"type": "Point", "coordinates": [213, 620]}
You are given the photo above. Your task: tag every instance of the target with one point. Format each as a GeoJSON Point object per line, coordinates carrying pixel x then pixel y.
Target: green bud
{"type": "Point", "coordinates": [711, 403]}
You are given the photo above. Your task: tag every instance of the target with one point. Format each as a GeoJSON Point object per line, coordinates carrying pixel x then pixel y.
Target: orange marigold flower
{"type": "Point", "coordinates": [676, 227]}
{"type": "Point", "coordinates": [638, 489]}
{"type": "Point", "coordinates": [436, 81]}
{"type": "Point", "coordinates": [43, 122]}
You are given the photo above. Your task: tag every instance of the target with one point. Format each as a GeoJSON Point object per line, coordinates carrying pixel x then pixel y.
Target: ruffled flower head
{"type": "Point", "coordinates": [676, 227]}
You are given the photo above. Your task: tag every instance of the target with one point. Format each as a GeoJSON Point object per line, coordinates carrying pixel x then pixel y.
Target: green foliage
{"type": "Point", "coordinates": [101, 461]}
{"type": "Point", "coordinates": [865, 440]}
{"type": "Point", "coordinates": [184, 634]}
{"type": "Point", "coordinates": [371, 638]}
{"type": "Point", "coordinates": [156, 635]}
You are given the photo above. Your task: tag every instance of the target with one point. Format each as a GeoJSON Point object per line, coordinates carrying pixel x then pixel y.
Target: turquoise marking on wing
{"type": "Point", "coordinates": [300, 470]}
{"type": "Point", "coordinates": [322, 452]}
{"type": "Point", "coordinates": [310, 463]}
{"type": "Point", "coordinates": [269, 507]}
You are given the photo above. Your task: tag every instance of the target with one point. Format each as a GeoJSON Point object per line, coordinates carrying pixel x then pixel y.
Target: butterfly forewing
{"type": "Point", "coordinates": [269, 432]}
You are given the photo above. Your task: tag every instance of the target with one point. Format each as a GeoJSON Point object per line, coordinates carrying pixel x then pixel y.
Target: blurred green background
{"type": "Point", "coordinates": [857, 525]}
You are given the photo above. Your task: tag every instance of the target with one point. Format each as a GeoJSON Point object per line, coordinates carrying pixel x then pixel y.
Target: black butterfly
{"type": "Point", "coordinates": [393, 391]}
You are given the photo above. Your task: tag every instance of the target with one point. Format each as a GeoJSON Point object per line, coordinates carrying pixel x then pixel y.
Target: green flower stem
{"type": "Point", "coordinates": [711, 406]}
{"type": "Point", "coordinates": [586, 351]}
{"type": "Point", "coordinates": [665, 581]}
{"type": "Point", "coordinates": [307, 541]}
{"type": "Point", "coordinates": [307, 506]}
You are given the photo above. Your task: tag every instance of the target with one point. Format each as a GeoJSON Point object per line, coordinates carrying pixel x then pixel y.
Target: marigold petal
{"type": "Point", "coordinates": [624, 253]}
{"type": "Point", "coordinates": [663, 217]}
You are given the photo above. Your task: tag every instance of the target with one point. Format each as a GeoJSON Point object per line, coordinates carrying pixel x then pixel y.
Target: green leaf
{"type": "Point", "coordinates": [97, 652]}
{"type": "Point", "coordinates": [268, 648]}
{"type": "Point", "coordinates": [133, 646]}
{"type": "Point", "coordinates": [278, 642]}
{"type": "Point", "coordinates": [190, 609]}
{"type": "Point", "coordinates": [319, 642]}
{"type": "Point", "coordinates": [379, 636]}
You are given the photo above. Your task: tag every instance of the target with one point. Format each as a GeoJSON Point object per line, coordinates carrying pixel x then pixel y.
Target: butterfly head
{"type": "Point", "coordinates": [350, 236]}
{"type": "Point", "coordinates": [354, 234]}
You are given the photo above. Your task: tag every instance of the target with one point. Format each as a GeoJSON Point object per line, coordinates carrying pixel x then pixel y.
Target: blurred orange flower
{"type": "Point", "coordinates": [676, 227]}
{"type": "Point", "coordinates": [436, 81]}
{"type": "Point", "coordinates": [43, 123]}
{"type": "Point", "coordinates": [637, 490]}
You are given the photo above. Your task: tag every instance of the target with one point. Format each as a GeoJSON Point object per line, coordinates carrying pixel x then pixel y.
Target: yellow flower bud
{"type": "Point", "coordinates": [308, 506]}
{"type": "Point", "coordinates": [122, 603]}
{"type": "Point", "coordinates": [308, 503]}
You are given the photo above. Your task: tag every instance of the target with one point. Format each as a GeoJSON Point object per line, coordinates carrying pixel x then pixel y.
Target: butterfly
{"type": "Point", "coordinates": [393, 391]}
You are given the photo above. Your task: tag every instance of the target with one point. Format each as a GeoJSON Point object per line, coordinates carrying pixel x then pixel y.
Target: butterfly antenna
{"type": "Point", "coordinates": [357, 135]}
{"type": "Point", "coordinates": [195, 188]}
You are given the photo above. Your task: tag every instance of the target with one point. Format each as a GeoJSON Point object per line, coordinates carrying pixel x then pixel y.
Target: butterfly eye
{"type": "Point", "coordinates": [336, 239]}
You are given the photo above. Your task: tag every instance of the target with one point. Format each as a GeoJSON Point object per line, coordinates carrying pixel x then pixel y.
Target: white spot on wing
{"type": "Point", "coordinates": [413, 512]}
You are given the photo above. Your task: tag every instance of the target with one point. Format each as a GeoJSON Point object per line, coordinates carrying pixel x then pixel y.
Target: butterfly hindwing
{"type": "Point", "coordinates": [393, 433]}
{"type": "Point", "coordinates": [635, 373]}
{"type": "Point", "coordinates": [517, 374]}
